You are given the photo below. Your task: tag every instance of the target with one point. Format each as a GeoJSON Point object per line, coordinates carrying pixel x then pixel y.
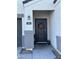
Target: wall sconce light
{"type": "Point", "coordinates": [29, 17]}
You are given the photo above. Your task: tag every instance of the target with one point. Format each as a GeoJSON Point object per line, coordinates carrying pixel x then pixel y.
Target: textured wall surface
{"type": "Point", "coordinates": [55, 24]}
{"type": "Point", "coordinates": [58, 43]}
{"type": "Point", "coordinates": [20, 9]}
{"type": "Point", "coordinates": [28, 40]}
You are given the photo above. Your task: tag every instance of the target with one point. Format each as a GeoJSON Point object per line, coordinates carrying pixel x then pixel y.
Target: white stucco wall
{"type": "Point", "coordinates": [35, 5]}
{"type": "Point", "coordinates": [54, 19]}
{"type": "Point", "coordinates": [55, 25]}
{"type": "Point", "coordinates": [20, 11]}
{"type": "Point", "coordinates": [40, 5]}
{"type": "Point", "coordinates": [20, 7]}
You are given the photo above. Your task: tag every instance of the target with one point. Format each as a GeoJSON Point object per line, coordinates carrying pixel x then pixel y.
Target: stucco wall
{"type": "Point", "coordinates": [28, 11]}
{"type": "Point", "coordinates": [20, 9]}
{"type": "Point", "coordinates": [35, 5]}
{"type": "Point", "coordinates": [55, 25]}
{"type": "Point", "coordinates": [40, 5]}
{"type": "Point", "coordinates": [55, 19]}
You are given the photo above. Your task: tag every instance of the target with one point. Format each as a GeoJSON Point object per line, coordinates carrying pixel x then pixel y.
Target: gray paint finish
{"type": "Point", "coordinates": [58, 43]}
{"type": "Point", "coordinates": [22, 40]}
{"type": "Point", "coordinates": [19, 32]}
{"type": "Point", "coordinates": [20, 15]}
{"type": "Point", "coordinates": [28, 40]}
{"type": "Point", "coordinates": [57, 54]}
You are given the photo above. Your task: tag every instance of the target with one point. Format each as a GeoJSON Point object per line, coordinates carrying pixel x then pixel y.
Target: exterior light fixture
{"type": "Point", "coordinates": [28, 17]}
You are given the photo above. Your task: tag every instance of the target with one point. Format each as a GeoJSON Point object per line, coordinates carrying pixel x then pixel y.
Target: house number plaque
{"type": "Point", "coordinates": [28, 23]}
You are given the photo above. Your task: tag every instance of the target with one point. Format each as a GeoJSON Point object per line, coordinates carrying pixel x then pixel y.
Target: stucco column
{"type": "Point", "coordinates": [28, 41]}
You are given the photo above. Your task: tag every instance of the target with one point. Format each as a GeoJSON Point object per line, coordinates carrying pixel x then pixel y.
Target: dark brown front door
{"type": "Point", "coordinates": [40, 30]}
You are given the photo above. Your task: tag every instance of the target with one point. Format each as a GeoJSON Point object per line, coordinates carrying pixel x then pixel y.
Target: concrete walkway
{"type": "Point", "coordinates": [39, 52]}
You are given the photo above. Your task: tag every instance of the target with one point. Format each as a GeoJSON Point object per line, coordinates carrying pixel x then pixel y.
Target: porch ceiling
{"type": "Point", "coordinates": [42, 12]}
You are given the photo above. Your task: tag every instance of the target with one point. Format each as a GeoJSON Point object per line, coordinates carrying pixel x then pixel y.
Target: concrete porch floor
{"type": "Point", "coordinates": [39, 52]}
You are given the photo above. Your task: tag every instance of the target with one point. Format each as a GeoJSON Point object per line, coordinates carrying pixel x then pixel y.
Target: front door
{"type": "Point", "coordinates": [40, 30]}
{"type": "Point", "coordinates": [19, 32]}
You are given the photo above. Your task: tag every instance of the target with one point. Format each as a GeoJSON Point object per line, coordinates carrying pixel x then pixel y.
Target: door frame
{"type": "Point", "coordinates": [46, 26]}
{"type": "Point", "coordinates": [21, 33]}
